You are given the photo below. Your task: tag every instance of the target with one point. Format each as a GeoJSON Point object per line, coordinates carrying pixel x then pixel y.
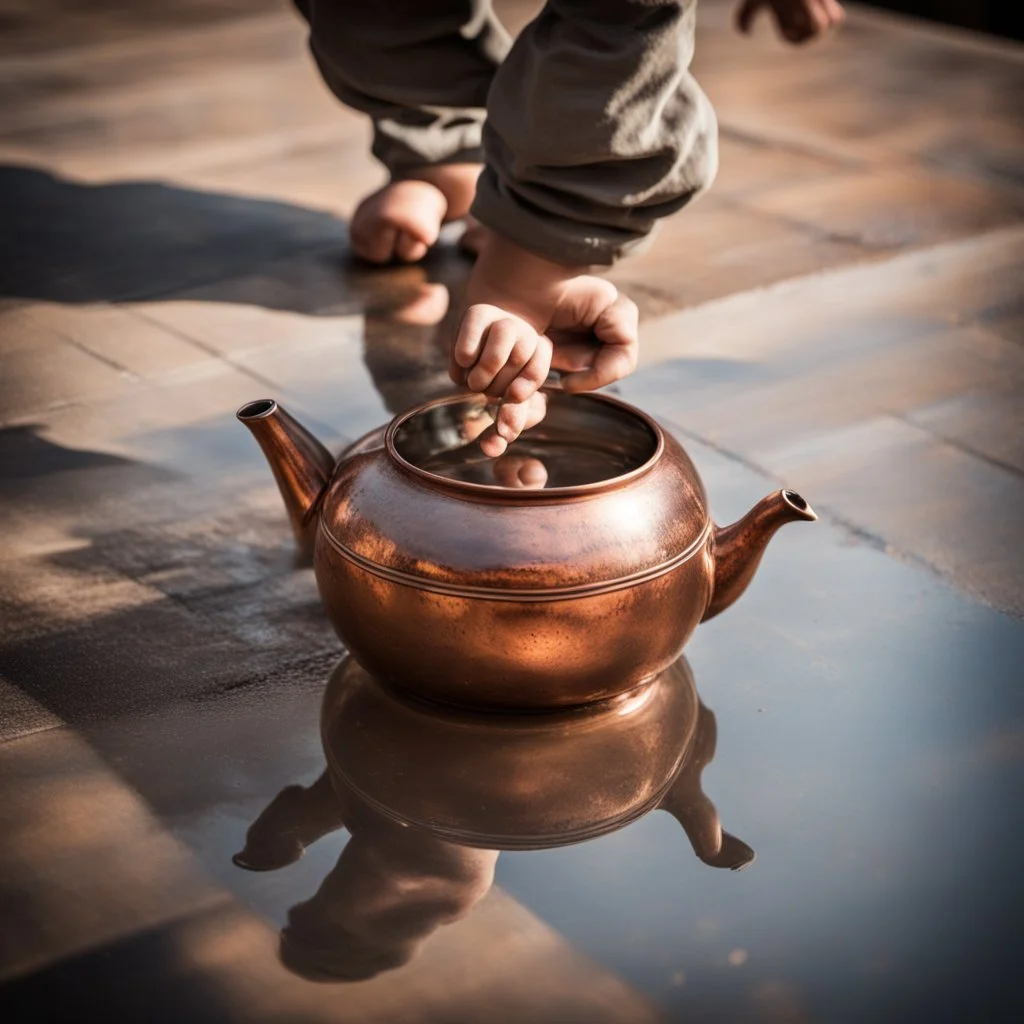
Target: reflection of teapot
{"type": "Point", "coordinates": [467, 592]}
{"type": "Point", "coordinates": [430, 796]}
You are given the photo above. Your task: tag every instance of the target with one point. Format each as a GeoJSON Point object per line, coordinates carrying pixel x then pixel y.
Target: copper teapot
{"type": "Point", "coordinates": [569, 571]}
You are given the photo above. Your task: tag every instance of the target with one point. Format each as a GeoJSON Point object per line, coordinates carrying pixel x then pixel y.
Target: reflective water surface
{"type": "Point", "coordinates": [469, 787]}
{"type": "Point", "coordinates": [579, 441]}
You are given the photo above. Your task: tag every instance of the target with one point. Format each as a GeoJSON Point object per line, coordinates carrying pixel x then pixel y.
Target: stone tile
{"type": "Point", "coordinates": [22, 715]}
{"type": "Point", "coordinates": [711, 250]}
{"type": "Point", "coordinates": [255, 308]}
{"type": "Point", "coordinates": [221, 966]}
{"type": "Point", "coordinates": [247, 81]}
{"type": "Point", "coordinates": [892, 208]}
{"type": "Point", "coordinates": [172, 424]}
{"type": "Point", "coordinates": [326, 332]}
{"type": "Point", "coordinates": [219, 318]}
{"type": "Point", "coordinates": [132, 659]}
{"type": "Point", "coordinates": [326, 171]}
{"type": "Point", "coordinates": [39, 370]}
{"type": "Point", "coordinates": [989, 423]}
{"type": "Point", "coordinates": [794, 379]}
{"type": "Point", "coordinates": [118, 338]}
{"type": "Point", "coordinates": [749, 165]}
{"type": "Point", "coordinates": [50, 25]}
{"type": "Point", "coordinates": [326, 369]}
{"type": "Point", "coordinates": [877, 90]}
{"type": "Point", "coordinates": [83, 861]}
{"type": "Point", "coordinates": [926, 500]}
{"type": "Point", "coordinates": [842, 377]}
{"type": "Point", "coordinates": [39, 596]}
{"type": "Point", "coordinates": [954, 283]}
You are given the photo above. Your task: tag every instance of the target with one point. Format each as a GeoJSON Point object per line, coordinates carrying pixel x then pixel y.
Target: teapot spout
{"type": "Point", "coordinates": [737, 549]}
{"type": "Point", "coordinates": [302, 465]}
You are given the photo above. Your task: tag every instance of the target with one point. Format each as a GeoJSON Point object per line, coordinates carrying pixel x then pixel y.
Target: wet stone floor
{"type": "Point", "coordinates": [209, 813]}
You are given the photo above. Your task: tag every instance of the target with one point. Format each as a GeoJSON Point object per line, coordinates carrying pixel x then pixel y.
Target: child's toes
{"type": "Point", "coordinates": [374, 242]}
{"type": "Point", "coordinates": [408, 248]}
{"type": "Point", "coordinates": [400, 221]}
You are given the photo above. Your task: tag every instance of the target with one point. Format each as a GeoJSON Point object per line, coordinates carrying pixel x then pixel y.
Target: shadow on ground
{"type": "Point", "coordinates": [72, 242]}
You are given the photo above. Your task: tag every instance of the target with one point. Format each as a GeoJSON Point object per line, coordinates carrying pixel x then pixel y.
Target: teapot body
{"type": "Point", "coordinates": [491, 652]}
{"type": "Point", "coordinates": [519, 599]}
{"type": "Point", "coordinates": [570, 570]}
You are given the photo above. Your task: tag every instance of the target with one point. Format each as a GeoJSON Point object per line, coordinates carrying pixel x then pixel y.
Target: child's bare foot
{"type": "Point", "coordinates": [403, 219]}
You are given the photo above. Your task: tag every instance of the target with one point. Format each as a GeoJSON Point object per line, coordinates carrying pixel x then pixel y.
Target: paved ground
{"type": "Point", "coordinates": [842, 313]}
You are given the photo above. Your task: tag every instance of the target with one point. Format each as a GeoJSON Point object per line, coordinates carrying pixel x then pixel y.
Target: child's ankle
{"type": "Point", "coordinates": [457, 182]}
{"type": "Point", "coordinates": [517, 279]}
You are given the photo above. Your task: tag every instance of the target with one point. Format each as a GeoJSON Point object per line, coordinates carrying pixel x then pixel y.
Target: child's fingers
{"type": "Point", "coordinates": [409, 249]}
{"type": "Point", "coordinates": [745, 15]}
{"type": "Point", "coordinates": [376, 246]}
{"type": "Point", "coordinates": [512, 419]}
{"type": "Point", "coordinates": [619, 324]}
{"type": "Point", "coordinates": [523, 351]}
{"type": "Point", "coordinates": [501, 342]}
{"type": "Point", "coordinates": [533, 375]}
{"type": "Point", "coordinates": [470, 336]}
{"type": "Point", "coordinates": [610, 364]}
{"type": "Point", "coordinates": [835, 11]}
{"type": "Point", "coordinates": [577, 354]}
{"type": "Point", "coordinates": [521, 472]}
{"type": "Point", "coordinates": [618, 331]}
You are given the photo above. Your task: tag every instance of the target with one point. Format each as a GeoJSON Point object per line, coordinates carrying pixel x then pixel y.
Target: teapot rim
{"type": "Point", "coordinates": [518, 495]}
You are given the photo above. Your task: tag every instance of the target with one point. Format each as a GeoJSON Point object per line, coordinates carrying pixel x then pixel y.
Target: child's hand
{"type": "Point", "coordinates": [595, 332]}
{"type": "Point", "coordinates": [539, 316]}
{"type": "Point", "coordinates": [503, 357]}
{"type": "Point", "coordinates": [799, 20]}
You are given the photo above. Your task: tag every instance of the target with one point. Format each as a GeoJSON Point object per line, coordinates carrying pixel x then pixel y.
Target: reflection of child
{"type": "Point", "coordinates": [394, 885]}
{"type": "Point", "coordinates": [567, 147]}
{"type": "Point", "coordinates": [391, 888]}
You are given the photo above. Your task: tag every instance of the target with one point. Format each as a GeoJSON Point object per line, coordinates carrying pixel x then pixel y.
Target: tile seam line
{"type": "Point", "coordinates": [218, 357]}
{"type": "Point", "coordinates": [961, 446]}
{"type": "Point", "coordinates": [865, 536]}
{"type": "Point", "coordinates": [141, 43]}
{"type": "Point", "coordinates": [948, 35]}
{"type": "Point", "coordinates": [201, 346]}
{"type": "Point", "coordinates": [876, 259]}
{"type": "Point", "coordinates": [793, 146]}
{"type": "Point", "coordinates": [75, 343]}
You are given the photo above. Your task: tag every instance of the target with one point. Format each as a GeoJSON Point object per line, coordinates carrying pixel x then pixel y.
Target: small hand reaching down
{"type": "Point", "coordinates": [526, 317]}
